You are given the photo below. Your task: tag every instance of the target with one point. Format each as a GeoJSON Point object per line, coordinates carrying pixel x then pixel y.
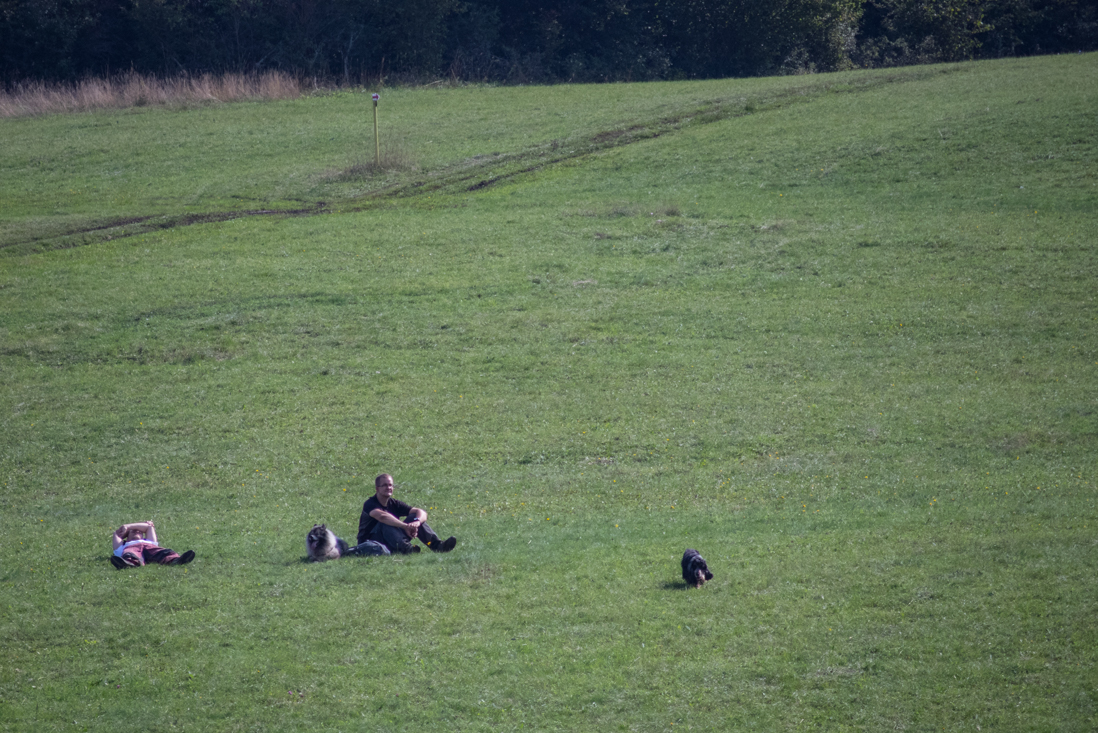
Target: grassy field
{"type": "Point", "coordinates": [837, 332]}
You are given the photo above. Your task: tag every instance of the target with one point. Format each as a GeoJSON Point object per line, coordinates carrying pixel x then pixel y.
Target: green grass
{"type": "Point", "coordinates": [838, 333]}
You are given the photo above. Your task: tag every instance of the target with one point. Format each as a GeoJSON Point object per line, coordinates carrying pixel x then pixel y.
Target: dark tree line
{"type": "Point", "coordinates": [523, 40]}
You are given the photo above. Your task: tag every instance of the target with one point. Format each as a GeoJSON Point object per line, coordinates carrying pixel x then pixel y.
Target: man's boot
{"type": "Point", "coordinates": [427, 536]}
{"type": "Point", "coordinates": [440, 545]}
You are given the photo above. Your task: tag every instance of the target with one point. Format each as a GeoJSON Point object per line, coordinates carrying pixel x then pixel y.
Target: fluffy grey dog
{"type": "Point", "coordinates": [322, 544]}
{"type": "Point", "coordinates": [694, 570]}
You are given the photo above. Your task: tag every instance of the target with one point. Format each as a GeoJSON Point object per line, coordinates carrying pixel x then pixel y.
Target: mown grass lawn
{"type": "Point", "coordinates": [836, 332]}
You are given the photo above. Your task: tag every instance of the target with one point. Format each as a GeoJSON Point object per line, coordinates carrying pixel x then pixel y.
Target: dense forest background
{"type": "Point", "coordinates": [522, 41]}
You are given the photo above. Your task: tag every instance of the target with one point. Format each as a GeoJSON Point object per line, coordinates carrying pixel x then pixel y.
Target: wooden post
{"type": "Point", "coordinates": [377, 140]}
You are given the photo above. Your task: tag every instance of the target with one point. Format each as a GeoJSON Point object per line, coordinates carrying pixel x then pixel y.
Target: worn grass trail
{"type": "Point", "coordinates": [838, 334]}
{"type": "Point", "coordinates": [200, 176]}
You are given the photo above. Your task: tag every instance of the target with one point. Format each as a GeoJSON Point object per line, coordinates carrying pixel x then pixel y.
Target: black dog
{"type": "Point", "coordinates": [694, 570]}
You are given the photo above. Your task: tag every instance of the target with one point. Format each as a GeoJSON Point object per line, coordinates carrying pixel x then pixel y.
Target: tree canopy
{"type": "Point", "coordinates": [524, 41]}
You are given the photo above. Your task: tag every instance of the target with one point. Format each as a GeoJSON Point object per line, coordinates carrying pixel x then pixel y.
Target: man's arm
{"type": "Point", "coordinates": [416, 517]}
{"type": "Point", "coordinates": [410, 527]}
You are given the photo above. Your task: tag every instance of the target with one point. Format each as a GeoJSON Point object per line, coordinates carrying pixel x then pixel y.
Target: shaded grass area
{"type": "Point", "coordinates": [845, 348]}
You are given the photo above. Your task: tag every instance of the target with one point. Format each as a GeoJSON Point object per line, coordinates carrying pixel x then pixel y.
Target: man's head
{"type": "Point", "coordinates": [383, 486]}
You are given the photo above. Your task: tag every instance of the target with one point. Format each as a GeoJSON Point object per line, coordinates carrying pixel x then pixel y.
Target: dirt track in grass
{"type": "Point", "coordinates": [470, 175]}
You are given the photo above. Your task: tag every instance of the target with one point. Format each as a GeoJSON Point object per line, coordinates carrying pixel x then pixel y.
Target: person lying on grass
{"type": "Point", "coordinates": [135, 544]}
{"type": "Point", "coordinates": [381, 522]}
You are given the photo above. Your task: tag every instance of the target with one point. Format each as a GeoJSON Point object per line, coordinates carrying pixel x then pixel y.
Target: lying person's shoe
{"type": "Point", "coordinates": [185, 558]}
{"type": "Point", "coordinates": [447, 544]}
{"type": "Point", "coordinates": [118, 562]}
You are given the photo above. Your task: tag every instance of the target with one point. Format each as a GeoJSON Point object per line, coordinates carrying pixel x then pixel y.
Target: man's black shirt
{"type": "Point", "coordinates": [366, 523]}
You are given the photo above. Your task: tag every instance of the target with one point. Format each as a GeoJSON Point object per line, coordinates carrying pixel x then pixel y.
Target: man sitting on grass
{"type": "Point", "coordinates": [135, 545]}
{"type": "Point", "coordinates": [380, 521]}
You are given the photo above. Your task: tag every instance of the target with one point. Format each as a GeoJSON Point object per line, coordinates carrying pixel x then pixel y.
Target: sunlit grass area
{"type": "Point", "coordinates": [837, 333]}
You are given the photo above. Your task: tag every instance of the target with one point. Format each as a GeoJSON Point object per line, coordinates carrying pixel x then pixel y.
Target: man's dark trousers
{"type": "Point", "coordinates": [397, 541]}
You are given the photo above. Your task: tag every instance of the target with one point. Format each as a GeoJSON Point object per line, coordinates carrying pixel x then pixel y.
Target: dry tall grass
{"type": "Point", "coordinates": [395, 156]}
{"type": "Point", "coordinates": [136, 90]}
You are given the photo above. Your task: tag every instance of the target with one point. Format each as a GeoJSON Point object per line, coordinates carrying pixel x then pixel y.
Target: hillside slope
{"type": "Point", "coordinates": [837, 333]}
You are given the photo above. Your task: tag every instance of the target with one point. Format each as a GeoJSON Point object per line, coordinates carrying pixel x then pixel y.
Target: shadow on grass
{"type": "Point", "coordinates": [305, 560]}
{"type": "Point", "coordinates": [674, 585]}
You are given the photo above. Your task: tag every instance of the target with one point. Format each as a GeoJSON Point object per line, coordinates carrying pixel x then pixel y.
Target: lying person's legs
{"type": "Point", "coordinates": [164, 556]}
{"type": "Point", "coordinates": [159, 555]}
